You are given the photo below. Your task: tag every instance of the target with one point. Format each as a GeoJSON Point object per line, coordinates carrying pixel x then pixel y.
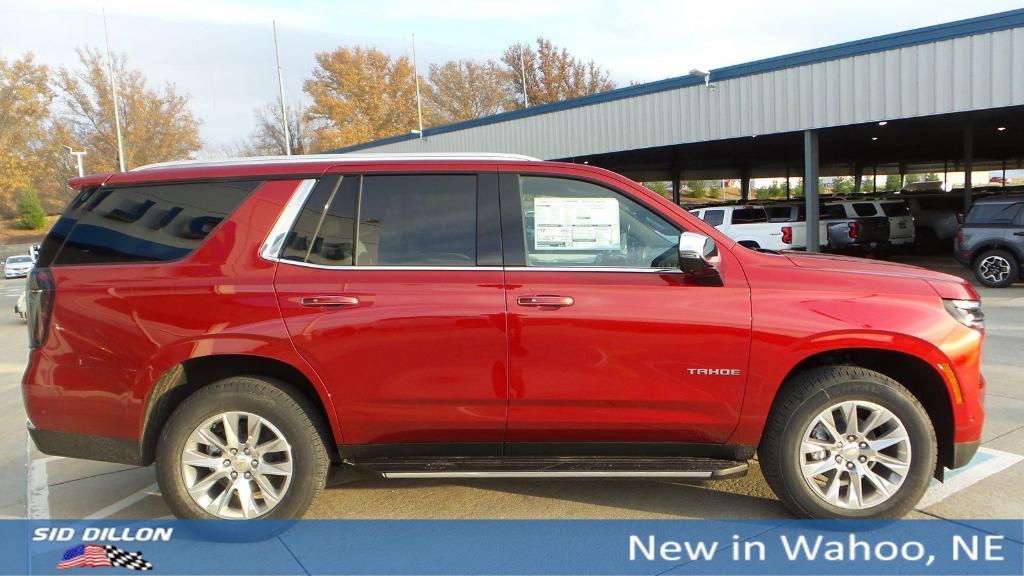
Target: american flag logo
{"type": "Point", "coordinates": [97, 556]}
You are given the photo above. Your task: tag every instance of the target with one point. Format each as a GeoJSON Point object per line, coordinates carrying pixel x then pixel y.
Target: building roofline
{"type": "Point", "coordinates": [935, 33]}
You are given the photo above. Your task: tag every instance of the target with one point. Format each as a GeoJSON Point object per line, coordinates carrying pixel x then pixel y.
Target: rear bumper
{"type": "Point", "coordinates": [102, 448]}
{"type": "Point", "coordinates": [963, 452]}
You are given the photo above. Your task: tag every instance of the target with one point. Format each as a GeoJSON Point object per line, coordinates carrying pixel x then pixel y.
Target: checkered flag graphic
{"type": "Point", "coordinates": [129, 560]}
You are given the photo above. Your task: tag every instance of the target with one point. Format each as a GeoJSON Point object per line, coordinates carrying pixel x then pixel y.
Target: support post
{"type": "Point", "coordinates": [858, 177]}
{"type": "Point", "coordinates": [677, 182]}
{"type": "Point", "coordinates": [968, 161]}
{"type": "Point", "coordinates": [811, 188]}
{"type": "Point", "coordinates": [745, 184]}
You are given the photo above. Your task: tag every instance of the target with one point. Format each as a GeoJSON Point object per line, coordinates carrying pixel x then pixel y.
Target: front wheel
{"type": "Point", "coordinates": [242, 448]}
{"type": "Point", "coordinates": [848, 442]}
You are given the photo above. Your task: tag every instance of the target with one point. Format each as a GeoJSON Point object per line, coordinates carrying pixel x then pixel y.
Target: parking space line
{"type": "Point", "coordinates": [987, 462]}
{"type": "Point", "coordinates": [124, 503]}
{"type": "Point", "coordinates": [37, 500]}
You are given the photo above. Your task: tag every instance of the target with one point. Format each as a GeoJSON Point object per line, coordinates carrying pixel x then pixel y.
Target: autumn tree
{"type": "Point", "coordinates": [466, 89]}
{"type": "Point", "coordinates": [552, 74]}
{"type": "Point", "coordinates": [361, 94]}
{"type": "Point", "coordinates": [267, 137]}
{"type": "Point", "coordinates": [25, 99]}
{"type": "Point", "coordinates": [156, 124]}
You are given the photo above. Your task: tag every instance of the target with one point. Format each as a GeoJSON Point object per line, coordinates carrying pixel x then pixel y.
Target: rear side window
{"type": "Point", "coordinates": [403, 220]}
{"type": "Point", "coordinates": [156, 223]}
{"type": "Point", "coordinates": [832, 212]}
{"type": "Point", "coordinates": [864, 209]}
{"type": "Point", "coordinates": [993, 213]}
{"type": "Point", "coordinates": [892, 209]}
{"type": "Point", "coordinates": [751, 215]}
{"type": "Point", "coordinates": [418, 220]}
{"type": "Point", "coordinates": [714, 217]}
{"type": "Point", "coordinates": [780, 214]}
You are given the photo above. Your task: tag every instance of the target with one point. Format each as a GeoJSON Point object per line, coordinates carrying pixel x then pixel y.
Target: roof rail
{"type": "Point", "coordinates": [340, 158]}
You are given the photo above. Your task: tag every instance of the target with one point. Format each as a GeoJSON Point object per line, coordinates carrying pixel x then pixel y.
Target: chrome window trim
{"type": "Point", "coordinates": [271, 247]}
{"type": "Point", "coordinates": [348, 158]}
{"type": "Point", "coordinates": [592, 269]}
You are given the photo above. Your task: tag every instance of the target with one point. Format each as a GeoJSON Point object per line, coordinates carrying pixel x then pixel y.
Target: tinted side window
{"type": "Point", "coordinates": [895, 209]}
{"type": "Point", "coordinates": [832, 212]}
{"type": "Point", "coordinates": [749, 215]}
{"type": "Point", "coordinates": [993, 213]}
{"type": "Point", "coordinates": [146, 223]}
{"type": "Point", "coordinates": [418, 220]}
{"type": "Point", "coordinates": [714, 217]}
{"type": "Point", "coordinates": [864, 209]}
{"type": "Point", "coordinates": [325, 238]}
{"type": "Point", "coordinates": [780, 214]}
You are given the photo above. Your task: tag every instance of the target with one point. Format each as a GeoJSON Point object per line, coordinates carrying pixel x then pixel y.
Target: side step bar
{"type": "Point", "coordinates": [549, 467]}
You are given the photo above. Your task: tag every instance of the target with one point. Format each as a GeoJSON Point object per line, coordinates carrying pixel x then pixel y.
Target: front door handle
{"type": "Point", "coordinates": [1018, 233]}
{"type": "Point", "coordinates": [329, 301]}
{"type": "Point", "coordinates": [541, 301]}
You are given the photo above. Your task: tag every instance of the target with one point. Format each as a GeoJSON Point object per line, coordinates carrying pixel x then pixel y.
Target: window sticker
{"type": "Point", "coordinates": [576, 223]}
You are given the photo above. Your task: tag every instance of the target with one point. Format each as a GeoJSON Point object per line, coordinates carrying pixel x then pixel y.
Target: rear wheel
{"type": "Point", "coordinates": [996, 268]}
{"type": "Point", "coordinates": [848, 442]}
{"type": "Point", "coordinates": [242, 448]}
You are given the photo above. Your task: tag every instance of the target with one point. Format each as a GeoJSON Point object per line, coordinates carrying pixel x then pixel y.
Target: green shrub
{"type": "Point", "coordinates": [30, 211]}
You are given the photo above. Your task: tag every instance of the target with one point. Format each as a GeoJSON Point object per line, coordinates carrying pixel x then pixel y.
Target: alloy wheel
{"type": "Point", "coordinates": [855, 454]}
{"type": "Point", "coordinates": [237, 465]}
{"type": "Point", "coordinates": [994, 269]}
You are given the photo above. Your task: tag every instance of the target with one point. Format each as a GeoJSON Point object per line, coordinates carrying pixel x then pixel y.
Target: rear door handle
{"type": "Point", "coordinates": [329, 301]}
{"type": "Point", "coordinates": [540, 301]}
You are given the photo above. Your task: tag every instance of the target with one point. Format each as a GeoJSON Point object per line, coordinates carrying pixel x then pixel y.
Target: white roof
{"type": "Point", "coordinates": [356, 157]}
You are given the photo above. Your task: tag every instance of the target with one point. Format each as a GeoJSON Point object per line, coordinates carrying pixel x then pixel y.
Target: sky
{"type": "Point", "coordinates": [221, 52]}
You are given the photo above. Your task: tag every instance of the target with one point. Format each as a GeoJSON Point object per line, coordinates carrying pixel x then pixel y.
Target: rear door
{"type": "Point", "coordinates": [608, 341]}
{"type": "Point", "coordinates": [394, 295]}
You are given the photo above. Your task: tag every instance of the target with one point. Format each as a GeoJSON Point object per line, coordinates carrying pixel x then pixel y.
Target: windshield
{"type": "Point", "coordinates": [19, 260]}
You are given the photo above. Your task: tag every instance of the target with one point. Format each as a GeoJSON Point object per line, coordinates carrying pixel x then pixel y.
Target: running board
{"type": "Point", "coordinates": [549, 467]}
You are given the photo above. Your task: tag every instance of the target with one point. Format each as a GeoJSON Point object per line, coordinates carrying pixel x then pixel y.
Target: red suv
{"type": "Point", "coordinates": [247, 324]}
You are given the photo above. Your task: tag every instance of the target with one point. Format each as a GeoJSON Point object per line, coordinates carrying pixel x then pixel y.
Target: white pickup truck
{"type": "Point", "coordinates": [776, 226]}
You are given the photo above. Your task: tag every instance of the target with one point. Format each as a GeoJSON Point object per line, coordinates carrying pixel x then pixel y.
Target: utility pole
{"type": "Point", "coordinates": [522, 74]}
{"type": "Point", "coordinates": [78, 156]}
{"type": "Point", "coordinates": [113, 93]}
{"type": "Point", "coordinates": [280, 86]}
{"type": "Point", "coordinates": [416, 76]}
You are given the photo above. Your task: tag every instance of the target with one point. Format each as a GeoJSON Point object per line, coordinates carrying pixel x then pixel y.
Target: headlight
{"type": "Point", "coordinates": [966, 312]}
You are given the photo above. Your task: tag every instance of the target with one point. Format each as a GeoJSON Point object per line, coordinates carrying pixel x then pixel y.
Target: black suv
{"type": "Point", "coordinates": [991, 241]}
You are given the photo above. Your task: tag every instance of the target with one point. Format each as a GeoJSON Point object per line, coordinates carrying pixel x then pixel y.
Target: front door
{"type": "Point", "coordinates": [394, 295]}
{"type": "Point", "coordinates": [608, 341]}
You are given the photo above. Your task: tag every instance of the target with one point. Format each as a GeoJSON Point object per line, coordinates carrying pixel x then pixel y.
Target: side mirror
{"type": "Point", "coordinates": [697, 253]}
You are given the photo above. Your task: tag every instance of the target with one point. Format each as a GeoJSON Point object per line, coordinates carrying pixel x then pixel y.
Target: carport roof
{"type": "Point", "coordinates": [929, 34]}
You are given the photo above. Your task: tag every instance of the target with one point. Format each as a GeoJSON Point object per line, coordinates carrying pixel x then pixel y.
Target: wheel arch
{"type": "Point", "coordinates": [997, 244]}
{"type": "Point", "coordinates": [916, 374]}
{"type": "Point", "coordinates": [188, 376]}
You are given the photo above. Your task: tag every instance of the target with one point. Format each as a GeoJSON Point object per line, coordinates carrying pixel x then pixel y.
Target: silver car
{"type": "Point", "coordinates": [18, 266]}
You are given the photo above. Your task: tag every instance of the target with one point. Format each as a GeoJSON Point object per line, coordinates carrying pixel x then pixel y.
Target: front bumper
{"type": "Point", "coordinates": [87, 447]}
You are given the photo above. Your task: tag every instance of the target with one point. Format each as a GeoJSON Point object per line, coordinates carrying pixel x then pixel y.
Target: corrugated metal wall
{"type": "Point", "coordinates": [961, 74]}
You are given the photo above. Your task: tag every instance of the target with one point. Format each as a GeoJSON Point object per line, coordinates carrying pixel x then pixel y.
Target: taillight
{"type": "Point", "coordinates": [960, 238]}
{"type": "Point", "coordinates": [854, 231]}
{"type": "Point", "coordinates": [40, 305]}
{"type": "Point", "coordinates": [787, 234]}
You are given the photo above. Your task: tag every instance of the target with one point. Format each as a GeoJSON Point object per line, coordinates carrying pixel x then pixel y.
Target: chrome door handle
{"type": "Point", "coordinates": [554, 301]}
{"type": "Point", "coordinates": [329, 301]}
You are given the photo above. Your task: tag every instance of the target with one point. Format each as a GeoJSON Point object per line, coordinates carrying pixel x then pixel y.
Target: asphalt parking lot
{"type": "Point", "coordinates": [38, 486]}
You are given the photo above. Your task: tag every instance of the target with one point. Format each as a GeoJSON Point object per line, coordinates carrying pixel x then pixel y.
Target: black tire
{"type": "Point", "coordinates": [275, 402]}
{"type": "Point", "coordinates": [812, 392]}
{"type": "Point", "coordinates": [985, 259]}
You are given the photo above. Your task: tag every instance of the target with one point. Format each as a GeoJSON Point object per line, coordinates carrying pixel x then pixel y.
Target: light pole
{"type": "Point", "coordinates": [78, 156]}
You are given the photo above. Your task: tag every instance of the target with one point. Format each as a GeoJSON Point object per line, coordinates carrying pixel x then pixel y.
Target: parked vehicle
{"type": "Point", "coordinates": [991, 241]}
{"type": "Point", "coordinates": [853, 234]}
{"type": "Point", "coordinates": [896, 213]}
{"type": "Point", "coordinates": [249, 323]}
{"type": "Point", "coordinates": [750, 225]}
{"type": "Point", "coordinates": [936, 219]}
{"type": "Point", "coordinates": [20, 307]}
{"type": "Point", "coordinates": [17, 266]}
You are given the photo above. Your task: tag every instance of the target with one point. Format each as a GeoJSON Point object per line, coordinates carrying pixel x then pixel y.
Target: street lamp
{"type": "Point", "coordinates": [78, 156]}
